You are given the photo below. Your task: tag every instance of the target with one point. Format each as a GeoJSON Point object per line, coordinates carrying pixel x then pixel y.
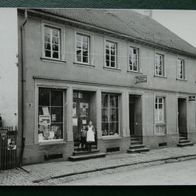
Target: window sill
{"type": "Point", "coordinates": [111, 137]}
{"type": "Point", "coordinates": [111, 69]}
{"type": "Point", "coordinates": [183, 80]}
{"type": "Point", "coordinates": [54, 142]}
{"type": "Point", "coordinates": [52, 60]}
{"type": "Point", "coordinates": [134, 72]}
{"type": "Point", "coordinates": [157, 76]}
{"type": "Point", "coordinates": [84, 64]}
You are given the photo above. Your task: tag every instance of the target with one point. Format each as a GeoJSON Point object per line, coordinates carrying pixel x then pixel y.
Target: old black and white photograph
{"type": "Point", "coordinates": [94, 96]}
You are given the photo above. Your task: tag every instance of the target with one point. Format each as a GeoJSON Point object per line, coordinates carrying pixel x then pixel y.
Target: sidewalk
{"type": "Point", "coordinates": [39, 173]}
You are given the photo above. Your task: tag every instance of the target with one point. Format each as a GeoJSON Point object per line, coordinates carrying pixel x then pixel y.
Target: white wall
{"type": "Point", "coordinates": [8, 66]}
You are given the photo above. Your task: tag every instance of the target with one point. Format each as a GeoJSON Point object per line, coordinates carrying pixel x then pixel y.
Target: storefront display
{"type": "Point", "coordinates": [50, 118]}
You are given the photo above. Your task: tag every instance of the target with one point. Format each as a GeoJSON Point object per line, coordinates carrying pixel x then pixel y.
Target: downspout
{"type": "Point", "coordinates": [22, 29]}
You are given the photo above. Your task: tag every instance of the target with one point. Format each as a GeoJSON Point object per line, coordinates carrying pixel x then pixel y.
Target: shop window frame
{"type": "Point", "coordinates": [119, 116]}
{"type": "Point", "coordinates": [64, 134]}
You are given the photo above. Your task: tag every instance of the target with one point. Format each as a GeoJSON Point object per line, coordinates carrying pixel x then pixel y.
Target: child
{"type": "Point", "coordinates": [90, 135]}
{"type": "Point", "coordinates": [83, 137]}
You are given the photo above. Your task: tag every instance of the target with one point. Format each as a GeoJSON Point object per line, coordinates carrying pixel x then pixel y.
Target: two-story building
{"type": "Point", "coordinates": [132, 77]}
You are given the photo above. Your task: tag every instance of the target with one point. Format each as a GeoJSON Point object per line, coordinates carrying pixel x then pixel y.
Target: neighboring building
{"type": "Point", "coordinates": [124, 71]}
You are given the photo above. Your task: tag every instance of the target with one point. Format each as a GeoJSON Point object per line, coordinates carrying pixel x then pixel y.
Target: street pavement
{"type": "Point", "coordinates": [50, 173]}
{"type": "Point", "coordinates": [180, 173]}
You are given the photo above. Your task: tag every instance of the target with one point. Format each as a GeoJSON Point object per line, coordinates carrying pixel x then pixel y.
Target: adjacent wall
{"type": "Point", "coordinates": [8, 66]}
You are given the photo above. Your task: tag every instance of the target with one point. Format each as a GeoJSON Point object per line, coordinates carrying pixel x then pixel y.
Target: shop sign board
{"type": "Point", "coordinates": [141, 79]}
{"type": "Point", "coordinates": [44, 120]}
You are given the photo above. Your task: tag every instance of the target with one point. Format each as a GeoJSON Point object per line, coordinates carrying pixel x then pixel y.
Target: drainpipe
{"type": "Point", "coordinates": [22, 29]}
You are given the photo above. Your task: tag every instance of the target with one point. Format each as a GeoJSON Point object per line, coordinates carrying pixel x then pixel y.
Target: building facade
{"type": "Point", "coordinates": [75, 71]}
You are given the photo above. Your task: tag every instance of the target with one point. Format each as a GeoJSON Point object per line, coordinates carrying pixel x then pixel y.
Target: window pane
{"type": "Point", "coordinates": [104, 100]}
{"type": "Point", "coordinates": [56, 98]}
{"type": "Point", "coordinates": [47, 53]}
{"type": "Point", "coordinates": [105, 115]}
{"type": "Point", "coordinates": [105, 129]}
{"type": "Point", "coordinates": [113, 64]}
{"type": "Point", "coordinates": [44, 97]}
{"type": "Point", "coordinates": [114, 115]}
{"type": "Point", "coordinates": [55, 55]}
{"type": "Point", "coordinates": [56, 114]}
{"type": "Point", "coordinates": [57, 130]}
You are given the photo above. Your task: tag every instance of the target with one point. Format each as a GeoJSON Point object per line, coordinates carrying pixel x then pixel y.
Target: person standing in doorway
{"type": "Point", "coordinates": [90, 135]}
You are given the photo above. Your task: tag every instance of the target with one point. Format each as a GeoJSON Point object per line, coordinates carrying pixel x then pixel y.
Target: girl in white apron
{"type": "Point", "coordinates": [90, 135]}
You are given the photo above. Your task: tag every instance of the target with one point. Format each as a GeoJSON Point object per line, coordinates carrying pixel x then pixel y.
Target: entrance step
{"type": "Point", "coordinates": [136, 145]}
{"type": "Point", "coordinates": [84, 152]}
{"type": "Point", "coordinates": [184, 144]}
{"type": "Point", "coordinates": [90, 155]}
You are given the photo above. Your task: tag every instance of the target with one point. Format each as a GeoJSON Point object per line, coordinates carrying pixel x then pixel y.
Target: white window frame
{"type": "Point", "coordinates": [89, 48]}
{"type": "Point", "coordinates": [163, 103]}
{"type": "Point", "coordinates": [43, 41]}
{"type": "Point", "coordinates": [181, 68]}
{"type": "Point", "coordinates": [160, 64]}
{"type": "Point", "coordinates": [119, 116]}
{"type": "Point", "coordinates": [130, 53]}
{"type": "Point", "coordinates": [116, 54]}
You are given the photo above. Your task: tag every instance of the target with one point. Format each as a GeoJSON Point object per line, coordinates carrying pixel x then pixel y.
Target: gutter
{"type": "Point", "coordinates": [108, 31]}
{"type": "Point", "coordinates": [22, 29]}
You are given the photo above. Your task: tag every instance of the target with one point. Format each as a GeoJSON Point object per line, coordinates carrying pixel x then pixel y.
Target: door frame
{"type": "Point", "coordinates": [140, 95]}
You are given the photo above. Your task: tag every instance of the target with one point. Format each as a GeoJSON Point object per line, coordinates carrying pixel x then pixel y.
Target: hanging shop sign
{"type": "Point", "coordinates": [140, 79]}
{"type": "Point", "coordinates": [191, 98]}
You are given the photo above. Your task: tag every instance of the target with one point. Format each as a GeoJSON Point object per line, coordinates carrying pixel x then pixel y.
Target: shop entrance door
{"type": "Point", "coordinates": [83, 111]}
{"type": "Point", "coordinates": [182, 117]}
{"type": "Point", "coordinates": [135, 115]}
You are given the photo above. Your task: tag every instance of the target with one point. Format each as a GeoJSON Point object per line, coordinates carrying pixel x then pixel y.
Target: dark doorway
{"type": "Point", "coordinates": [84, 109]}
{"type": "Point", "coordinates": [135, 115]}
{"type": "Point", "coordinates": [182, 117]}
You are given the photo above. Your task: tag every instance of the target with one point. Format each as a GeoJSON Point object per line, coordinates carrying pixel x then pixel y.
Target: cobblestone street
{"type": "Point", "coordinates": [48, 173]}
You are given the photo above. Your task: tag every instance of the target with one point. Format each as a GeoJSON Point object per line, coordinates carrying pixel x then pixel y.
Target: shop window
{"type": "Point", "coordinates": [111, 54]}
{"type": "Point", "coordinates": [51, 42]}
{"type": "Point", "coordinates": [82, 48]}
{"type": "Point", "coordinates": [110, 114]}
{"type": "Point", "coordinates": [159, 65]}
{"type": "Point", "coordinates": [133, 59]}
{"type": "Point", "coordinates": [181, 69]}
{"type": "Point", "coordinates": [50, 115]}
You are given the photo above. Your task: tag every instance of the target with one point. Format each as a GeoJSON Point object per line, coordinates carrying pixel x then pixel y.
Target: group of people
{"type": "Point", "coordinates": [87, 136]}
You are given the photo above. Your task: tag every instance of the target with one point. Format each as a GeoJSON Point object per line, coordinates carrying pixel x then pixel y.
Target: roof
{"type": "Point", "coordinates": [127, 23]}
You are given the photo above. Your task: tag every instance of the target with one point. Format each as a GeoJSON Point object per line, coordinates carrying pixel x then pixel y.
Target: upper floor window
{"type": "Point", "coordinates": [133, 59]}
{"type": "Point", "coordinates": [181, 69]}
{"type": "Point", "coordinates": [82, 48]}
{"type": "Point", "coordinates": [51, 42]}
{"type": "Point", "coordinates": [159, 65]}
{"type": "Point", "coordinates": [111, 54]}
